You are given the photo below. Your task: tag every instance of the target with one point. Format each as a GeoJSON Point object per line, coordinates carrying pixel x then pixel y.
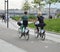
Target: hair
{"type": "Point", "coordinates": [25, 12]}
{"type": "Point", "coordinates": [39, 13]}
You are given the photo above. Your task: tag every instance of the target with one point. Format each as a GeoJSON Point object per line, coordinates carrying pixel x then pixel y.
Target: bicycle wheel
{"type": "Point", "coordinates": [36, 33]}
{"type": "Point", "coordinates": [27, 35]}
{"type": "Point", "coordinates": [19, 31]}
{"type": "Point", "coordinates": [43, 36]}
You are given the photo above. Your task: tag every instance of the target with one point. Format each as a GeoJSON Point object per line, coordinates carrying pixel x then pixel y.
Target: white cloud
{"type": "Point", "coordinates": [13, 3]}
{"type": "Point", "coordinates": [1, 4]}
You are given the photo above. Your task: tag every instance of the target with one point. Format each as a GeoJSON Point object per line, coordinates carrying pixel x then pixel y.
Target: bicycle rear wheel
{"type": "Point", "coordinates": [43, 36]}
{"type": "Point", "coordinates": [27, 37]}
{"type": "Point", "coordinates": [20, 33]}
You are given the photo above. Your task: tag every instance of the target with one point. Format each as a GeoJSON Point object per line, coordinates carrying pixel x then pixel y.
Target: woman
{"type": "Point", "coordinates": [40, 23]}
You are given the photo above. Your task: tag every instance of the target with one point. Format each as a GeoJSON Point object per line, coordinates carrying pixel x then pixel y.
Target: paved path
{"type": "Point", "coordinates": [13, 43]}
{"type": "Point", "coordinates": [9, 41]}
{"type": "Point", "coordinates": [13, 25]}
{"type": "Point", "coordinates": [7, 47]}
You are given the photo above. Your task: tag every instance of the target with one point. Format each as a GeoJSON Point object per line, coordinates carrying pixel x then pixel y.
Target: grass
{"type": "Point", "coordinates": [51, 25]}
{"type": "Point", "coordinates": [16, 18]}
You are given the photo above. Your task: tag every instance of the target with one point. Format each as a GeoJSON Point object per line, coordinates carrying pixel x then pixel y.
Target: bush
{"type": "Point", "coordinates": [58, 15]}
{"type": "Point", "coordinates": [15, 18]}
{"type": "Point", "coordinates": [32, 17]}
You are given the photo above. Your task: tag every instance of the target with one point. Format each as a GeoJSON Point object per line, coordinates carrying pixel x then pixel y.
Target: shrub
{"type": "Point", "coordinates": [58, 15]}
{"type": "Point", "coordinates": [32, 17]}
{"type": "Point", "coordinates": [15, 18]}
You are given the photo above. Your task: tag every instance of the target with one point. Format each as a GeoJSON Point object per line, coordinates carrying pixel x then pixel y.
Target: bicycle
{"type": "Point", "coordinates": [40, 33]}
{"type": "Point", "coordinates": [23, 32]}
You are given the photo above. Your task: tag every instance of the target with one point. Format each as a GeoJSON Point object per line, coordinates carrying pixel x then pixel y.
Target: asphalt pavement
{"type": "Point", "coordinates": [10, 42]}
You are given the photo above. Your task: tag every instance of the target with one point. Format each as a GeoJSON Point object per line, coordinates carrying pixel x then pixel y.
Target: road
{"type": "Point", "coordinates": [32, 45]}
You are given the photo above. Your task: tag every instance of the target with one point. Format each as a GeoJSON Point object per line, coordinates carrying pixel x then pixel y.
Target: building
{"type": "Point", "coordinates": [54, 9]}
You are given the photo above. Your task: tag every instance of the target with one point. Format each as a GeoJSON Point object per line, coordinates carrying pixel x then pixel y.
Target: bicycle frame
{"type": "Point", "coordinates": [24, 32]}
{"type": "Point", "coordinates": [41, 33]}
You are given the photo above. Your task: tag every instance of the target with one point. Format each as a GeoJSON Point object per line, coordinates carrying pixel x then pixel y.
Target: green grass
{"type": "Point", "coordinates": [16, 18]}
{"type": "Point", "coordinates": [31, 25]}
{"type": "Point", "coordinates": [51, 25]}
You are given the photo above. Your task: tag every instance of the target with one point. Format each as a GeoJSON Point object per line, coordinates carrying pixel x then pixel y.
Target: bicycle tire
{"type": "Point", "coordinates": [43, 36]}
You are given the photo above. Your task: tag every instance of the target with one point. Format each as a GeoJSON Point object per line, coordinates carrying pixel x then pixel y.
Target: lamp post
{"type": "Point", "coordinates": [5, 9]}
{"type": "Point", "coordinates": [49, 9]}
{"type": "Point", "coordinates": [6, 12]}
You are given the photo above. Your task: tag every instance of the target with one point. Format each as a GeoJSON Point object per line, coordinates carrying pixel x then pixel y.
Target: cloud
{"type": "Point", "coordinates": [13, 4]}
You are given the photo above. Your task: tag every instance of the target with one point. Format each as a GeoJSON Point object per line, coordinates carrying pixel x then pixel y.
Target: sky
{"type": "Point", "coordinates": [56, 5]}
{"type": "Point", "coordinates": [13, 4]}
{"type": "Point", "coordinates": [17, 4]}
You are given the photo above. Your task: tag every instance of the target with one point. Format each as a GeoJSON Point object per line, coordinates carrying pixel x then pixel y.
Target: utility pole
{"type": "Point", "coordinates": [6, 12]}
{"type": "Point", "coordinates": [49, 9]}
{"type": "Point", "coordinates": [5, 9]}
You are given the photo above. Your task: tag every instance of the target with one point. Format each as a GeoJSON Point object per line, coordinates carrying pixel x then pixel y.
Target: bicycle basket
{"type": "Point", "coordinates": [19, 23]}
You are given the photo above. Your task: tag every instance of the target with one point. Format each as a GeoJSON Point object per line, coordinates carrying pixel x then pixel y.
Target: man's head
{"type": "Point", "coordinates": [25, 13]}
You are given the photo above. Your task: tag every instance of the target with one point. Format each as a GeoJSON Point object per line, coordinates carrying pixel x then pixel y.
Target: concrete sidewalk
{"type": "Point", "coordinates": [7, 47]}
{"type": "Point", "coordinates": [13, 25]}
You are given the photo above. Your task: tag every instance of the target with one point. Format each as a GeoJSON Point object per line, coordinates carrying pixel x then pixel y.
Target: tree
{"type": "Point", "coordinates": [39, 3]}
{"type": "Point", "coordinates": [50, 2]}
{"type": "Point", "coordinates": [26, 6]}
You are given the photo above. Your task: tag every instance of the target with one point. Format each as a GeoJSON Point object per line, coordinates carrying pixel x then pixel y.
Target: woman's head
{"type": "Point", "coordinates": [39, 13]}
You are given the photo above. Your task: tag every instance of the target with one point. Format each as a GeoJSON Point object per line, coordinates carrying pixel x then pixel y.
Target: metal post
{"type": "Point", "coordinates": [49, 9]}
{"type": "Point", "coordinates": [6, 12]}
{"type": "Point", "coordinates": [7, 16]}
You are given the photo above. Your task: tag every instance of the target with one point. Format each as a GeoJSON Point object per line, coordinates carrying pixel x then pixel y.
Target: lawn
{"type": "Point", "coordinates": [51, 25]}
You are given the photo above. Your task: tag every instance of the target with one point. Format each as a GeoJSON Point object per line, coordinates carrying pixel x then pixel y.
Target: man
{"type": "Point", "coordinates": [3, 18]}
{"type": "Point", "coordinates": [25, 20]}
{"type": "Point", "coordinates": [24, 23]}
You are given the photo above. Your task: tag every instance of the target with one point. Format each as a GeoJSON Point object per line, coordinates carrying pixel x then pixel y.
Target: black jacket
{"type": "Point", "coordinates": [40, 19]}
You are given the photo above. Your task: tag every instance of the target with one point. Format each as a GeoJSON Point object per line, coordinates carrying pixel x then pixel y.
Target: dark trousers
{"type": "Point", "coordinates": [25, 23]}
{"type": "Point", "coordinates": [41, 26]}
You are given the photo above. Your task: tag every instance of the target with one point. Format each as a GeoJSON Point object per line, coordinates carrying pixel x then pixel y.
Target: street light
{"type": "Point", "coordinates": [6, 12]}
{"type": "Point", "coordinates": [49, 9]}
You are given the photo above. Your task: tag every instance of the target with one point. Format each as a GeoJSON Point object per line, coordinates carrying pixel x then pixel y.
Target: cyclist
{"type": "Point", "coordinates": [24, 22]}
{"type": "Point", "coordinates": [40, 22]}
